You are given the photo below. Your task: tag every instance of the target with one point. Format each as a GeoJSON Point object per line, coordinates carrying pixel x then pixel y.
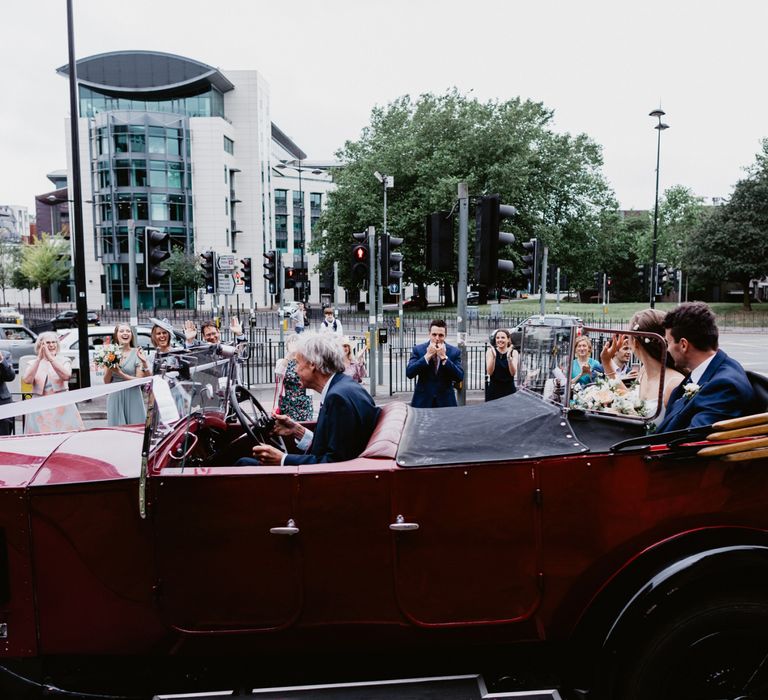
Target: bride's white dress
{"type": "Point", "coordinates": [650, 406]}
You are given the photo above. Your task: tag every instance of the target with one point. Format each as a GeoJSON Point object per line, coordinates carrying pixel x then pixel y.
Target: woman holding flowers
{"type": "Point", "coordinates": [49, 374]}
{"type": "Point", "coordinates": [122, 362]}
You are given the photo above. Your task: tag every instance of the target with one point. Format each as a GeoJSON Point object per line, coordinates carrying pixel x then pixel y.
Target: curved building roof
{"type": "Point", "coordinates": [147, 73]}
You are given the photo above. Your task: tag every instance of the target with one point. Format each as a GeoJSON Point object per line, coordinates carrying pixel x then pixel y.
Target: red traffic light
{"type": "Point", "coordinates": [360, 253]}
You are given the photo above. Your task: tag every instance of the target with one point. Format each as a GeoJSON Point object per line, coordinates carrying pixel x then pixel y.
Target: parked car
{"type": "Point", "coordinates": [8, 314]}
{"type": "Point", "coordinates": [473, 298]}
{"type": "Point", "coordinates": [635, 565]}
{"type": "Point", "coordinates": [17, 341]}
{"type": "Point", "coordinates": [552, 320]}
{"type": "Point", "coordinates": [288, 308]}
{"type": "Point", "coordinates": [68, 319]}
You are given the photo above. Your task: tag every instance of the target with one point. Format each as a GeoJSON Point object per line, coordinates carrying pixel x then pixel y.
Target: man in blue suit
{"type": "Point", "coordinates": [716, 386]}
{"type": "Point", "coordinates": [436, 365]}
{"type": "Point", "coordinates": [347, 414]}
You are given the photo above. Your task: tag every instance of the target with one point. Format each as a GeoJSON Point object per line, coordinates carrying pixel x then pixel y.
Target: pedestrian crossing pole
{"type": "Point", "coordinates": [372, 307]}
{"type": "Point", "coordinates": [461, 303]}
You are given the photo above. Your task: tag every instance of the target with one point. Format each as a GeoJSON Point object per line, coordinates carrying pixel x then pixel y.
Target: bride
{"type": "Point", "coordinates": [649, 351]}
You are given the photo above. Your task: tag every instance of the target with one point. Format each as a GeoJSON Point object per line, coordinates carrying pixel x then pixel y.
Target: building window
{"type": "Point", "coordinates": [315, 201]}
{"type": "Point", "coordinates": [281, 197]}
{"type": "Point", "coordinates": [229, 145]}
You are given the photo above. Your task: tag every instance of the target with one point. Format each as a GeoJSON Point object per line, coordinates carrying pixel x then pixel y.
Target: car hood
{"type": "Point", "coordinates": [100, 454]}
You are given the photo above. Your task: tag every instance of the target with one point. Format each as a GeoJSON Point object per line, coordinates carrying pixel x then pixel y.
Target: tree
{"type": "Point", "coordinates": [46, 261]}
{"type": "Point", "coordinates": [431, 144]}
{"type": "Point", "coordinates": [732, 244]}
{"type": "Point", "coordinates": [185, 269]}
{"type": "Point", "coordinates": [9, 263]}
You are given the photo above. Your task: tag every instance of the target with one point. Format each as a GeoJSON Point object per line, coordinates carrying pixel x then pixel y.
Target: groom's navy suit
{"type": "Point", "coordinates": [725, 393]}
{"type": "Point", "coordinates": [344, 424]}
{"type": "Point", "coordinates": [434, 388]}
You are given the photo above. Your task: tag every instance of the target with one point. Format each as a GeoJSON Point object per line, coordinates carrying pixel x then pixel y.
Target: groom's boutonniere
{"type": "Point", "coordinates": [690, 390]}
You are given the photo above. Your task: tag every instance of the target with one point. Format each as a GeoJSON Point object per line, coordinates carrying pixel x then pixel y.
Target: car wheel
{"type": "Point", "coordinates": [715, 649]}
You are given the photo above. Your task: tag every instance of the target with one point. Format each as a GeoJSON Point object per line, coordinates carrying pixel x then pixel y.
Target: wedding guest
{"type": "Point", "coordinates": [161, 336]}
{"type": "Point", "coordinates": [500, 366]}
{"type": "Point", "coordinates": [293, 398]}
{"type": "Point", "coordinates": [649, 351]}
{"type": "Point", "coordinates": [50, 374]}
{"type": "Point", "coordinates": [211, 334]}
{"type": "Point", "coordinates": [716, 386]}
{"type": "Point", "coordinates": [585, 368]}
{"type": "Point", "coordinates": [126, 407]}
{"type": "Point", "coordinates": [7, 374]}
{"type": "Point", "coordinates": [353, 366]}
{"type": "Point", "coordinates": [436, 365]}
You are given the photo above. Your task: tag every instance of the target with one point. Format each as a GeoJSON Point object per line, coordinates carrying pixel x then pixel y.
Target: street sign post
{"type": "Point", "coordinates": [225, 283]}
{"type": "Point", "coordinates": [225, 262]}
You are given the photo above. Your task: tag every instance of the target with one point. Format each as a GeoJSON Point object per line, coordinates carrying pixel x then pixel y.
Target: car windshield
{"type": "Point", "coordinates": [188, 382]}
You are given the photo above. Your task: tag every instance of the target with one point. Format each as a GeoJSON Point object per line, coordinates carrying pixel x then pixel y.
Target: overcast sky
{"type": "Point", "coordinates": [600, 65]}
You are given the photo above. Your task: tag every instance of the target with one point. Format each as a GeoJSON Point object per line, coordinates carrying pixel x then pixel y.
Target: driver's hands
{"type": "Point", "coordinates": [266, 454]}
{"type": "Point", "coordinates": [285, 426]}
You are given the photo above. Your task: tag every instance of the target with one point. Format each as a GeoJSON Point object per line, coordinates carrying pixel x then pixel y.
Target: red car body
{"type": "Point", "coordinates": [592, 551]}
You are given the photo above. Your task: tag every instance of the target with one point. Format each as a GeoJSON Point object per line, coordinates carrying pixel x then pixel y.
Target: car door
{"type": "Point", "coordinates": [227, 557]}
{"type": "Point", "coordinates": [465, 541]}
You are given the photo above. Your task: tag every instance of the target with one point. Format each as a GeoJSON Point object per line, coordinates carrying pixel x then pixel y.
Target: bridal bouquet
{"type": "Point", "coordinates": [609, 396]}
{"type": "Point", "coordinates": [108, 356]}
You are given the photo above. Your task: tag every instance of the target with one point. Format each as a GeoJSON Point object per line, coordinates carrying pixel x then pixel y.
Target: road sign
{"type": "Point", "coordinates": [226, 262]}
{"type": "Point", "coordinates": [225, 283]}
{"type": "Point", "coordinates": [394, 288]}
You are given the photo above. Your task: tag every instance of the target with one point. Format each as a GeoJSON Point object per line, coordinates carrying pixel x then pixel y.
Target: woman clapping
{"type": "Point", "coordinates": [501, 366]}
{"type": "Point", "coordinates": [126, 407]}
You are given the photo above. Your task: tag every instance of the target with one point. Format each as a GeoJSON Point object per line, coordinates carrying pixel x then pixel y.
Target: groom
{"type": "Point", "coordinates": [716, 386]}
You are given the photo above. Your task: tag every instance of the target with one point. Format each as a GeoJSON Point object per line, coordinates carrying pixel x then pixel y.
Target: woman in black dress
{"type": "Point", "coordinates": [501, 366]}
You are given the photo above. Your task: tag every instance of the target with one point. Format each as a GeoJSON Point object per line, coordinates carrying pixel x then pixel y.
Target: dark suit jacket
{"type": "Point", "coordinates": [434, 389]}
{"type": "Point", "coordinates": [725, 393]}
{"type": "Point", "coordinates": [344, 424]}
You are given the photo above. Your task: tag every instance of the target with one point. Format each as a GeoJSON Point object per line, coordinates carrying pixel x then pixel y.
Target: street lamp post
{"type": "Point", "coordinates": [387, 181]}
{"type": "Point", "coordinates": [658, 113]}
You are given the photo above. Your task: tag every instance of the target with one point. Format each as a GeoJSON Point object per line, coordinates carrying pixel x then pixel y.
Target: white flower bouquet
{"type": "Point", "coordinates": [609, 396]}
{"type": "Point", "coordinates": [108, 356]}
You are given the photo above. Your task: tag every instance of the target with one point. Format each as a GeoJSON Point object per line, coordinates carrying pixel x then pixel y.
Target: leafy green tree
{"type": "Point", "coordinates": [9, 262]}
{"type": "Point", "coordinates": [431, 144]}
{"type": "Point", "coordinates": [185, 271]}
{"type": "Point", "coordinates": [732, 244]}
{"type": "Point", "coordinates": [681, 213]}
{"type": "Point", "coordinates": [46, 261]}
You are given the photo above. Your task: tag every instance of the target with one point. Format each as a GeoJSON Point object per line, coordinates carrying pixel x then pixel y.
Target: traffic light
{"type": "Point", "coordinates": [290, 278]}
{"type": "Point", "coordinates": [439, 248]}
{"type": "Point", "coordinates": [246, 275]}
{"type": "Point", "coordinates": [271, 265]}
{"type": "Point", "coordinates": [608, 281]}
{"type": "Point", "coordinates": [390, 263]}
{"type": "Point", "coordinates": [531, 262]}
{"type": "Point", "coordinates": [361, 257]}
{"type": "Point", "coordinates": [208, 263]}
{"type": "Point", "coordinates": [488, 238]}
{"type": "Point", "coordinates": [661, 278]}
{"type": "Point", "coordinates": [644, 276]}
{"type": "Point", "coordinates": [156, 249]}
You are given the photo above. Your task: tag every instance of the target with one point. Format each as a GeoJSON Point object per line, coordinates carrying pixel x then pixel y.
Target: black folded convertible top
{"type": "Point", "coordinates": [520, 426]}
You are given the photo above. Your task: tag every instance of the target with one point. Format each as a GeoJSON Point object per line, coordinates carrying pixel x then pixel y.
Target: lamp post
{"type": "Point", "coordinates": [387, 182]}
{"type": "Point", "coordinates": [658, 113]}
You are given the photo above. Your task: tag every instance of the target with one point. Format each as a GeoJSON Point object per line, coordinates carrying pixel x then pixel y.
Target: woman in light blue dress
{"type": "Point", "coordinates": [126, 407]}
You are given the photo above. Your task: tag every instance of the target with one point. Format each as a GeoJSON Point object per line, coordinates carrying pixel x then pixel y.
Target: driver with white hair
{"type": "Point", "coordinates": [347, 414]}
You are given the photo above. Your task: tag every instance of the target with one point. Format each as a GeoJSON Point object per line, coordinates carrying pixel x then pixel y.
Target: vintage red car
{"type": "Point", "coordinates": [636, 565]}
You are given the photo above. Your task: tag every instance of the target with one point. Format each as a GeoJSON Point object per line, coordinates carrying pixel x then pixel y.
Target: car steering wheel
{"type": "Point", "coordinates": [255, 421]}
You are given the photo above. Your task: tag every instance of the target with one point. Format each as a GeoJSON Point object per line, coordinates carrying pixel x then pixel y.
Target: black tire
{"type": "Point", "coordinates": [715, 649]}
